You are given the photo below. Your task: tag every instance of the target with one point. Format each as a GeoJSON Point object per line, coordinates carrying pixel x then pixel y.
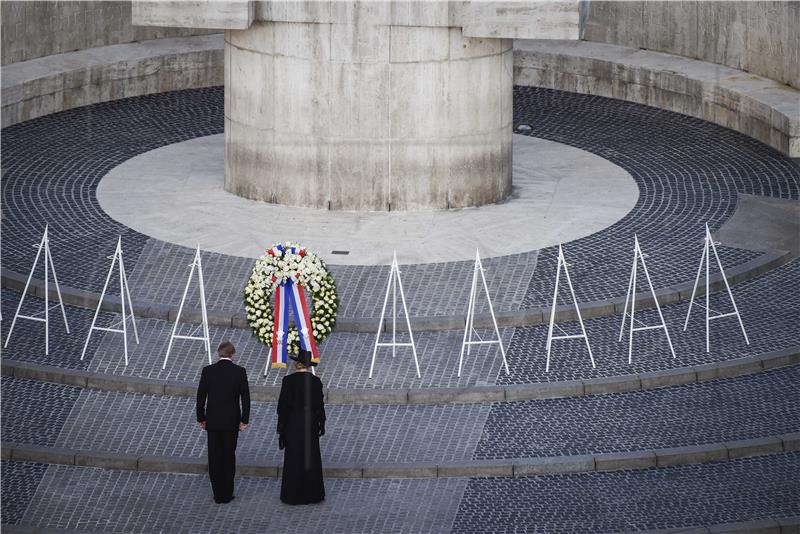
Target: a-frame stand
{"type": "Point", "coordinates": [638, 256]}
{"type": "Point", "coordinates": [469, 329]}
{"type": "Point", "coordinates": [124, 294]}
{"type": "Point", "coordinates": [44, 244]}
{"type": "Point", "coordinates": [394, 283]}
{"type": "Point", "coordinates": [550, 337]}
{"type": "Point", "coordinates": [196, 264]}
{"type": "Point", "coordinates": [709, 244]}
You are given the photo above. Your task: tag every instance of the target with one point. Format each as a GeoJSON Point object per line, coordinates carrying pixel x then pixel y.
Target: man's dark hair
{"type": "Point", "coordinates": [226, 349]}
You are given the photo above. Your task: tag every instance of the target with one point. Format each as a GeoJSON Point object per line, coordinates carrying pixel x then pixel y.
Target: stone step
{"type": "Point", "coordinates": [694, 422]}
{"type": "Point", "coordinates": [769, 306]}
{"type": "Point", "coordinates": [512, 318]}
{"type": "Point", "coordinates": [457, 395]}
{"type": "Point", "coordinates": [522, 467]}
{"type": "Point", "coordinates": [745, 495]}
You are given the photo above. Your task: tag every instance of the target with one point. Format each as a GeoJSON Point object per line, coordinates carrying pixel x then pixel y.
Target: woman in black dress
{"type": "Point", "coordinates": [301, 422]}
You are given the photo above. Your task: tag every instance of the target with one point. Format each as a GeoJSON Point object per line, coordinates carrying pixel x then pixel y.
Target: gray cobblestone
{"type": "Point", "coordinates": [740, 408]}
{"type": "Point", "coordinates": [34, 412]}
{"type": "Point", "coordinates": [628, 501]}
{"type": "Point", "coordinates": [123, 501]}
{"type": "Point", "coordinates": [19, 483]}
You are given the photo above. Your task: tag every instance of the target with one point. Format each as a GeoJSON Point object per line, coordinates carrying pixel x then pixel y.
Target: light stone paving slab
{"type": "Point", "coordinates": [175, 194]}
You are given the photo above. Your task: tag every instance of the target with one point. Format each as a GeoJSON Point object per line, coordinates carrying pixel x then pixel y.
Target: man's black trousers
{"type": "Point", "coordinates": [222, 462]}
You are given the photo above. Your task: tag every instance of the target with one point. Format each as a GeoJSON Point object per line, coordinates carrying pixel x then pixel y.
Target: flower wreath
{"type": "Point", "coordinates": [290, 261]}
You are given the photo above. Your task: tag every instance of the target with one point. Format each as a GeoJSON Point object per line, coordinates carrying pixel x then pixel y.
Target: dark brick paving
{"type": "Point", "coordinates": [770, 308]}
{"type": "Point", "coordinates": [27, 339]}
{"type": "Point", "coordinates": [19, 482]}
{"type": "Point", "coordinates": [34, 412]}
{"type": "Point", "coordinates": [746, 407]}
{"type": "Point", "coordinates": [132, 502]}
{"type": "Point", "coordinates": [705, 494]}
{"type": "Point", "coordinates": [688, 172]}
{"type": "Point", "coordinates": [52, 165]}
{"type": "Point", "coordinates": [38, 413]}
{"type": "Point", "coordinates": [732, 409]}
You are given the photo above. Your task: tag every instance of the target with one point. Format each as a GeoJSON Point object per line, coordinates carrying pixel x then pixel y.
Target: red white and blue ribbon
{"type": "Point", "coordinates": [289, 294]}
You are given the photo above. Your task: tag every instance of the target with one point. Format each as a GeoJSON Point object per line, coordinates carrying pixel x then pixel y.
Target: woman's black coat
{"type": "Point", "coordinates": [301, 421]}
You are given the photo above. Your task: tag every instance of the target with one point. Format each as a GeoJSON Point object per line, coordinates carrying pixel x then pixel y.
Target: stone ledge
{"type": "Point", "coordinates": [507, 319]}
{"type": "Point", "coordinates": [763, 526]}
{"type": "Point", "coordinates": [786, 525]}
{"type": "Point", "coordinates": [466, 395]}
{"type": "Point", "coordinates": [758, 107]}
{"type": "Point", "coordinates": [60, 82]}
{"type": "Point", "coordinates": [516, 467]}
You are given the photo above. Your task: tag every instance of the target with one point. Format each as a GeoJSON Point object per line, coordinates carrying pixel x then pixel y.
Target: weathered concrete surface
{"type": "Point", "coordinates": [367, 116]}
{"type": "Point", "coordinates": [523, 19]}
{"type": "Point", "coordinates": [757, 37]}
{"type": "Point", "coordinates": [369, 105]}
{"type": "Point", "coordinates": [36, 29]}
{"type": "Point", "coordinates": [563, 192]}
{"type": "Point", "coordinates": [56, 83]}
{"type": "Point", "coordinates": [212, 14]}
{"type": "Point", "coordinates": [763, 109]}
{"type": "Point", "coordinates": [517, 19]}
{"type": "Point", "coordinates": [761, 223]}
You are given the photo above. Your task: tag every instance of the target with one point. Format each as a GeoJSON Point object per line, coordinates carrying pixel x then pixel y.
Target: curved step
{"type": "Point", "coordinates": [524, 317]}
{"type": "Point", "coordinates": [737, 492]}
{"type": "Point", "coordinates": [549, 465]}
{"type": "Point", "coordinates": [709, 421]}
{"type": "Point", "coordinates": [400, 396]}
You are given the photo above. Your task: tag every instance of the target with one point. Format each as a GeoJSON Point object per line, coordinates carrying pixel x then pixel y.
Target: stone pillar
{"type": "Point", "coordinates": [368, 104]}
{"type": "Point", "coordinates": [367, 112]}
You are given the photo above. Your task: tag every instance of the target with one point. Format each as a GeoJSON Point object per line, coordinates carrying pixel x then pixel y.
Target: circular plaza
{"type": "Point", "coordinates": [591, 427]}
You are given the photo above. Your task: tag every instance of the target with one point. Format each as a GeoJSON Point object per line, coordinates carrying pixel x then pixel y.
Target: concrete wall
{"type": "Point", "coordinates": [758, 107]}
{"type": "Point", "coordinates": [35, 29]}
{"type": "Point", "coordinates": [758, 37]}
{"type": "Point", "coordinates": [59, 82]}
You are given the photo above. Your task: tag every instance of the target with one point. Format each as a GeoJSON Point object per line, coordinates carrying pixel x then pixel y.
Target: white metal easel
{"type": "Point", "coordinates": [706, 258]}
{"type": "Point", "coordinates": [196, 264]}
{"type": "Point", "coordinates": [394, 283]}
{"type": "Point", "coordinates": [469, 328]}
{"type": "Point", "coordinates": [638, 255]}
{"type": "Point", "coordinates": [124, 293]}
{"type": "Point", "coordinates": [44, 244]}
{"type": "Point", "coordinates": [550, 337]}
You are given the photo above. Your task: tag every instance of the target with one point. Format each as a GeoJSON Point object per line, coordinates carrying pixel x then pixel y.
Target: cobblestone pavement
{"type": "Point", "coordinates": [125, 501]}
{"type": "Point", "coordinates": [19, 481]}
{"type": "Point", "coordinates": [769, 304]}
{"type": "Point", "coordinates": [688, 172]}
{"type": "Point", "coordinates": [166, 426]}
{"type": "Point", "coordinates": [35, 412]}
{"type": "Point", "coordinates": [120, 501]}
{"type": "Point", "coordinates": [624, 501]}
{"type": "Point", "coordinates": [694, 414]}
{"type": "Point", "coordinates": [718, 411]}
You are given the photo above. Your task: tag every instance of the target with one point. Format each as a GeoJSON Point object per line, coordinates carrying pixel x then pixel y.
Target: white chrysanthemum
{"type": "Point", "coordinates": [310, 272]}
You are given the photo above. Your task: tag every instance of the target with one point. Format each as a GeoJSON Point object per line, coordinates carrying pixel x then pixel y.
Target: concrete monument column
{"type": "Point", "coordinates": [368, 105]}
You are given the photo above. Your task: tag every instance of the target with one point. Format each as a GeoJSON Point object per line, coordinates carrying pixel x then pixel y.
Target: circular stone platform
{"type": "Point", "coordinates": [175, 194]}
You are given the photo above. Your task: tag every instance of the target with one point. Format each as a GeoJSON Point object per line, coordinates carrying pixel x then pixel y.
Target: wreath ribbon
{"type": "Point", "coordinates": [289, 294]}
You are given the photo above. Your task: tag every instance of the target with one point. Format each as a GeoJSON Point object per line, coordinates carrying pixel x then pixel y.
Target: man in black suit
{"type": "Point", "coordinates": [222, 385]}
